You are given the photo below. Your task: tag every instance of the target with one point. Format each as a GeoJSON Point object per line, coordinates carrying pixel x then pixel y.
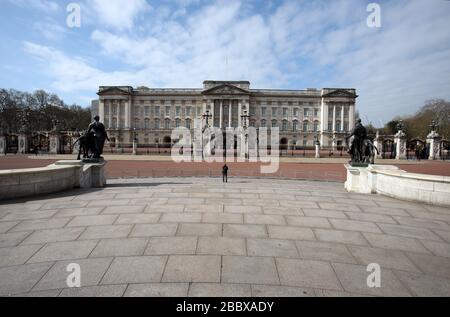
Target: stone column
{"type": "Point", "coordinates": [101, 110]}
{"type": "Point", "coordinates": [221, 114]}
{"type": "Point", "coordinates": [230, 109]}
{"type": "Point", "coordinates": [324, 122]}
{"type": "Point", "coordinates": [342, 118]}
{"type": "Point", "coordinates": [2, 145]}
{"type": "Point", "coordinates": [334, 119]}
{"type": "Point", "coordinates": [55, 143]}
{"type": "Point", "coordinates": [24, 143]}
{"type": "Point", "coordinates": [400, 145]}
{"type": "Point", "coordinates": [239, 113]}
{"type": "Point", "coordinates": [434, 142]}
{"type": "Point", "coordinates": [351, 117]}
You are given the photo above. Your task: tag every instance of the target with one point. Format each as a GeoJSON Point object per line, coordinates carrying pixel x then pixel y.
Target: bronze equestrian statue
{"type": "Point", "coordinates": [361, 148]}
{"type": "Point", "coordinates": [93, 141]}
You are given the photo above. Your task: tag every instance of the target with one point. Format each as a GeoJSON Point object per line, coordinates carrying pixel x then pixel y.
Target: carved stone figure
{"type": "Point", "coordinates": [97, 133]}
{"type": "Point", "coordinates": [361, 148]}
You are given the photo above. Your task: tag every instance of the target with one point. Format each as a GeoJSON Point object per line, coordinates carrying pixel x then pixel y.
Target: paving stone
{"type": "Point", "coordinates": [309, 222]}
{"type": "Point", "coordinates": [186, 201]}
{"type": "Point", "coordinates": [17, 255]}
{"type": "Point", "coordinates": [438, 248]}
{"type": "Point", "coordinates": [422, 223]}
{"type": "Point", "coordinates": [154, 230]}
{"type": "Point", "coordinates": [293, 211]}
{"type": "Point", "coordinates": [334, 294]}
{"type": "Point", "coordinates": [207, 208]}
{"type": "Point", "coordinates": [29, 215]}
{"type": "Point", "coordinates": [142, 269]}
{"type": "Point", "coordinates": [273, 248]}
{"type": "Point", "coordinates": [46, 294]}
{"type": "Point", "coordinates": [409, 232]}
{"type": "Point", "coordinates": [243, 209]}
{"type": "Point", "coordinates": [188, 268]}
{"type": "Point", "coordinates": [339, 236]}
{"type": "Point", "coordinates": [12, 239]}
{"type": "Point", "coordinates": [6, 226]}
{"type": "Point", "coordinates": [385, 211]}
{"type": "Point", "coordinates": [221, 246]}
{"type": "Point", "coordinates": [360, 202]}
{"type": "Point", "coordinates": [290, 233]}
{"type": "Point", "coordinates": [137, 219]}
{"type": "Point", "coordinates": [64, 205]}
{"type": "Point", "coordinates": [72, 212]}
{"type": "Point", "coordinates": [389, 259]}
{"type": "Point", "coordinates": [54, 235]}
{"type": "Point", "coordinates": [443, 234]}
{"type": "Point", "coordinates": [340, 207]}
{"type": "Point", "coordinates": [401, 204]}
{"type": "Point", "coordinates": [361, 216]}
{"type": "Point", "coordinates": [222, 218]}
{"type": "Point", "coordinates": [306, 273]}
{"type": "Point", "coordinates": [21, 279]}
{"type": "Point", "coordinates": [164, 209]}
{"type": "Point", "coordinates": [281, 291]}
{"type": "Point", "coordinates": [324, 251]}
{"type": "Point", "coordinates": [92, 271]}
{"type": "Point", "coordinates": [120, 247]}
{"type": "Point", "coordinates": [60, 251]}
{"type": "Point", "coordinates": [95, 291]}
{"type": "Point", "coordinates": [244, 231]}
{"type": "Point", "coordinates": [353, 225]}
{"type": "Point", "coordinates": [431, 265]}
{"type": "Point", "coordinates": [425, 285]}
{"type": "Point", "coordinates": [30, 225]}
{"type": "Point", "coordinates": [157, 290]}
{"type": "Point", "coordinates": [109, 202]}
{"type": "Point", "coordinates": [181, 217]}
{"type": "Point", "coordinates": [99, 220]}
{"type": "Point", "coordinates": [202, 229]}
{"type": "Point", "coordinates": [323, 213]}
{"type": "Point", "coordinates": [171, 245]}
{"type": "Point", "coordinates": [264, 219]}
{"type": "Point", "coordinates": [395, 243]}
{"type": "Point", "coordinates": [354, 280]}
{"type": "Point", "coordinates": [106, 232]}
{"type": "Point", "coordinates": [249, 270]}
{"type": "Point", "coordinates": [219, 290]}
{"type": "Point", "coordinates": [114, 210]}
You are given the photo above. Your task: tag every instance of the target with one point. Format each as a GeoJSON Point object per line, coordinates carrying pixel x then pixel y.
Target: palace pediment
{"type": "Point", "coordinates": [342, 93]}
{"type": "Point", "coordinates": [104, 91]}
{"type": "Point", "coordinates": [226, 90]}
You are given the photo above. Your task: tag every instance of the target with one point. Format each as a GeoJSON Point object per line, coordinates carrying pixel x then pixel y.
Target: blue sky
{"type": "Point", "coordinates": [291, 44]}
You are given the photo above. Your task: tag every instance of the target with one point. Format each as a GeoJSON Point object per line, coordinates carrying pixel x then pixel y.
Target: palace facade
{"type": "Point", "coordinates": [150, 114]}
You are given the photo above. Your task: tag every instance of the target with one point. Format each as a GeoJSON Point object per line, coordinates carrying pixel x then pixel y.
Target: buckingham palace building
{"type": "Point", "coordinates": [303, 117]}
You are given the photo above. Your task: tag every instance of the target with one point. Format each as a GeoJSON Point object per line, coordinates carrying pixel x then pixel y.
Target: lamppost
{"type": "Point", "coordinates": [206, 116]}
{"type": "Point", "coordinates": [244, 118]}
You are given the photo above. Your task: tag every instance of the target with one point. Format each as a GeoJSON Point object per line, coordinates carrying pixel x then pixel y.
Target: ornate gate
{"type": "Point", "coordinates": [445, 150]}
{"type": "Point", "coordinates": [417, 149]}
{"type": "Point", "coordinates": [12, 143]}
{"type": "Point", "coordinates": [388, 151]}
{"type": "Point", "coordinates": [40, 143]}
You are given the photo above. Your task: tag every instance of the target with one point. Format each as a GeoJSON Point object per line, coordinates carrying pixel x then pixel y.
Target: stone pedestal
{"type": "Point", "coordinates": [2, 145]}
{"type": "Point", "coordinates": [134, 148]}
{"type": "Point", "coordinates": [317, 151]}
{"type": "Point", "coordinates": [434, 143]}
{"type": "Point", "coordinates": [90, 175]}
{"type": "Point", "coordinates": [400, 146]}
{"type": "Point", "coordinates": [378, 144]}
{"type": "Point", "coordinates": [357, 180]}
{"type": "Point", "coordinates": [55, 143]}
{"type": "Point", "coordinates": [24, 141]}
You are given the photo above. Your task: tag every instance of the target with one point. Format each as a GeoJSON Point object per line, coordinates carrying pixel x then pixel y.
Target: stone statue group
{"type": "Point", "coordinates": [93, 141]}
{"type": "Point", "coordinates": [361, 148]}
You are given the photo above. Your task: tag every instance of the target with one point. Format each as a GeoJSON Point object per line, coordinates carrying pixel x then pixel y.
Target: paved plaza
{"type": "Point", "coordinates": [200, 237]}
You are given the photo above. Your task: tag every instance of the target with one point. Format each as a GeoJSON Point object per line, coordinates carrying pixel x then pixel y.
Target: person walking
{"type": "Point", "coordinates": [225, 173]}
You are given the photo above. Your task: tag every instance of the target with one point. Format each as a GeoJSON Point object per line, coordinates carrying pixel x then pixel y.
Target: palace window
{"type": "Point", "coordinates": [252, 123]}
{"type": "Point", "coordinates": [338, 125]}
{"type": "Point", "coordinates": [330, 126]}
{"type": "Point", "coordinates": [274, 123]}
{"type": "Point", "coordinates": [274, 112]}
{"type": "Point", "coordinates": [157, 124]}
{"type": "Point", "coordinates": [306, 112]}
{"type": "Point", "coordinates": [114, 123]}
{"type": "Point", "coordinates": [188, 111]}
{"type": "Point", "coordinates": [107, 123]}
{"type": "Point", "coordinates": [106, 110]}
{"type": "Point", "coordinates": [167, 110]}
{"type": "Point", "coordinates": [305, 126]}
{"type": "Point", "coordinates": [346, 126]}
{"type": "Point", "coordinates": [263, 111]}
{"type": "Point", "coordinates": [316, 126]}
{"type": "Point", "coordinates": [295, 112]}
{"type": "Point", "coordinates": [178, 111]}
{"type": "Point", "coordinates": [157, 110]}
{"type": "Point", "coordinates": [147, 124]}
{"type": "Point", "coordinates": [136, 123]}
{"type": "Point", "coordinates": [167, 124]}
{"type": "Point", "coordinates": [316, 113]}
{"type": "Point", "coordinates": [177, 123]}
{"type": "Point", "coordinates": [295, 125]}
{"type": "Point", "coordinates": [285, 112]}
{"type": "Point", "coordinates": [188, 123]}
{"type": "Point", "coordinates": [284, 125]}
{"type": "Point", "coordinates": [263, 123]}
{"type": "Point", "coordinates": [147, 111]}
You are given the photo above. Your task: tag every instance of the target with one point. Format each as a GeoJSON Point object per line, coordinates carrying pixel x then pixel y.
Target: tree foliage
{"type": "Point", "coordinates": [37, 111]}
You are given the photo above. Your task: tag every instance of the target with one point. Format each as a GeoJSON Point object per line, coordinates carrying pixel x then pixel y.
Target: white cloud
{"type": "Point", "coordinates": [42, 5]}
{"type": "Point", "coordinates": [296, 44]}
{"type": "Point", "coordinates": [117, 14]}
